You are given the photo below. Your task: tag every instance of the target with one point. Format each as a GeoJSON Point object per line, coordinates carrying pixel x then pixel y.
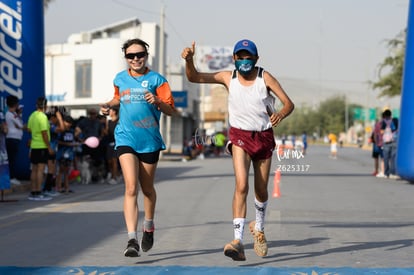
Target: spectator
{"type": "Point", "coordinates": [91, 126]}
{"type": "Point", "coordinates": [88, 127]}
{"type": "Point", "coordinates": [293, 139]}
{"type": "Point", "coordinates": [333, 147]}
{"type": "Point", "coordinates": [389, 130]}
{"type": "Point", "coordinates": [219, 140]}
{"type": "Point", "coordinates": [305, 142]}
{"type": "Point", "coordinates": [377, 152]}
{"type": "Point", "coordinates": [14, 135]}
{"type": "Point", "coordinates": [4, 165]}
{"type": "Point", "coordinates": [113, 164]}
{"type": "Point", "coordinates": [65, 154]}
{"type": "Point", "coordinates": [56, 126]}
{"type": "Point", "coordinates": [40, 147]}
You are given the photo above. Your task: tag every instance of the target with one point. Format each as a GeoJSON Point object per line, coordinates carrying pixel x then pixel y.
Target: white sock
{"type": "Point", "coordinates": [238, 226]}
{"type": "Point", "coordinates": [260, 214]}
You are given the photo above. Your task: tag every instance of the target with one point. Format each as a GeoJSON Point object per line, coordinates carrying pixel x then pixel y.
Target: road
{"type": "Point", "coordinates": [331, 214]}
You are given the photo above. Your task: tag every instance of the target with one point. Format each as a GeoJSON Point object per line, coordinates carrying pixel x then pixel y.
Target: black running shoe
{"type": "Point", "coordinates": [132, 249]}
{"type": "Point", "coordinates": [147, 240]}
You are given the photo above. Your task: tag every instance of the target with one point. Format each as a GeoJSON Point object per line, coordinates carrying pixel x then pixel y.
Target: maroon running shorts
{"type": "Point", "coordinates": [259, 145]}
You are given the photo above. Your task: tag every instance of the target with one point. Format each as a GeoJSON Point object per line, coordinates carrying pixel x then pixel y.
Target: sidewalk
{"type": "Point", "coordinates": [25, 184]}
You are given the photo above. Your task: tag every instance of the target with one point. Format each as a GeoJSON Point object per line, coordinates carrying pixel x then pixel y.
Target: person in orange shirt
{"type": "Point", "coordinates": [141, 95]}
{"type": "Point", "coordinates": [333, 141]}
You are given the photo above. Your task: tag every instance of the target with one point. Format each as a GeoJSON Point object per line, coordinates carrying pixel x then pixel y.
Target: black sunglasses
{"type": "Point", "coordinates": [133, 55]}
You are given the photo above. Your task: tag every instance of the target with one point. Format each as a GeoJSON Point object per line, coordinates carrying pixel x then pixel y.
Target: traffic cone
{"type": "Point", "coordinates": [280, 150]}
{"type": "Point", "coordinates": [276, 184]}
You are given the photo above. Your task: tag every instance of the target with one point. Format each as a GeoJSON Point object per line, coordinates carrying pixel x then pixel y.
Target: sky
{"type": "Point", "coordinates": [313, 47]}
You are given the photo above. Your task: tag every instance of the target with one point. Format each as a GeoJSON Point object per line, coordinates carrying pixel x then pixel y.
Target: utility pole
{"type": "Point", "coordinates": [165, 121]}
{"type": "Point", "coordinates": [346, 116]}
{"type": "Point", "coordinates": [161, 63]}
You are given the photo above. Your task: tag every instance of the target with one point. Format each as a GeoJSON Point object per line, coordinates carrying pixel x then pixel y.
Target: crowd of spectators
{"type": "Point", "coordinates": [57, 147]}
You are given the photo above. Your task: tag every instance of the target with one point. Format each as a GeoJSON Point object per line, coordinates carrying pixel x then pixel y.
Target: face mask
{"type": "Point", "coordinates": [245, 66]}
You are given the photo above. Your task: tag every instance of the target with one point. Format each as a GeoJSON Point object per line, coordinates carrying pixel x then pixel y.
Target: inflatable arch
{"type": "Point", "coordinates": [405, 153]}
{"type": "Point", "coordinates": [22, 61]}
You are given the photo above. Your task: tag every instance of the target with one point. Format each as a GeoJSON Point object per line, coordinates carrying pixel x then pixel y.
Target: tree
{"type": "Point", "coordinates": [329, 117]}
{"type": "Point", "coordinates": [300, 120]}
{"type": "Point", "coordinates": [391, 69]}
{"type": "Point", "coordinates": [332, 115]}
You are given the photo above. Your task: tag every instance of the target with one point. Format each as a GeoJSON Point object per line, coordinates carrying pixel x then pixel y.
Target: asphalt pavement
{"type": "Point", "coordinates": [332, 216]}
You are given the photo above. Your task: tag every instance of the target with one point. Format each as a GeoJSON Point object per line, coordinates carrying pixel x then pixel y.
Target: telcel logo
{"type": "Point", "coordinates": [11, 76]}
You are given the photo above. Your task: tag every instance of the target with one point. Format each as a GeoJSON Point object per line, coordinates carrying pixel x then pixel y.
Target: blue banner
{"type": "Point", "coordinates": [180, 99]}
{"type": "Point", "coordinates": [22, 61]}
{"type": "Point", "coordinates": [4, 162]}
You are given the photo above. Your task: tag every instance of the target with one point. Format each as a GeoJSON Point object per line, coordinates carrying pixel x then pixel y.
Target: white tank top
{"type": "Point", "coordinates": [247, 104]}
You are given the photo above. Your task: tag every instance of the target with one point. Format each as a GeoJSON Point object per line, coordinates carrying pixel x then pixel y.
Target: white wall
{"type": "Point", "coordinates": [107, 60]}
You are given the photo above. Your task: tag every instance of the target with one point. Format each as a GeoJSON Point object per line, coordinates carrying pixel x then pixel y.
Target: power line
{"type": "Point", "coordinates": [184, 42]}
{"type": "Point", "coordinates": [169, 23]}
{"type": "Point", "coordinates": [133, 7]}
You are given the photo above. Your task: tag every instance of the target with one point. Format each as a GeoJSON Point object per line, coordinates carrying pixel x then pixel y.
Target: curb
{"type": "Point", "coordinates": [24, 186]}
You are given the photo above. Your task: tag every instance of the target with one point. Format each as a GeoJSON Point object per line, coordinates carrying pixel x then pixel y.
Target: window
{"type": "Point", "coordinates": [83, 78]}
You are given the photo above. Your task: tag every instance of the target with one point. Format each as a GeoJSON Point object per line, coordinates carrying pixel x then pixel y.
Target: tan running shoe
{"type": "Point", "coordinates": [235, 250]}
{"type": "Point", "coordinates": [260, 243]}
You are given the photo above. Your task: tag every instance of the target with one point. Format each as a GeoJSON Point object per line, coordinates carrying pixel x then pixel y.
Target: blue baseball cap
{"type": "Point", "coordinates": [247, 45]}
